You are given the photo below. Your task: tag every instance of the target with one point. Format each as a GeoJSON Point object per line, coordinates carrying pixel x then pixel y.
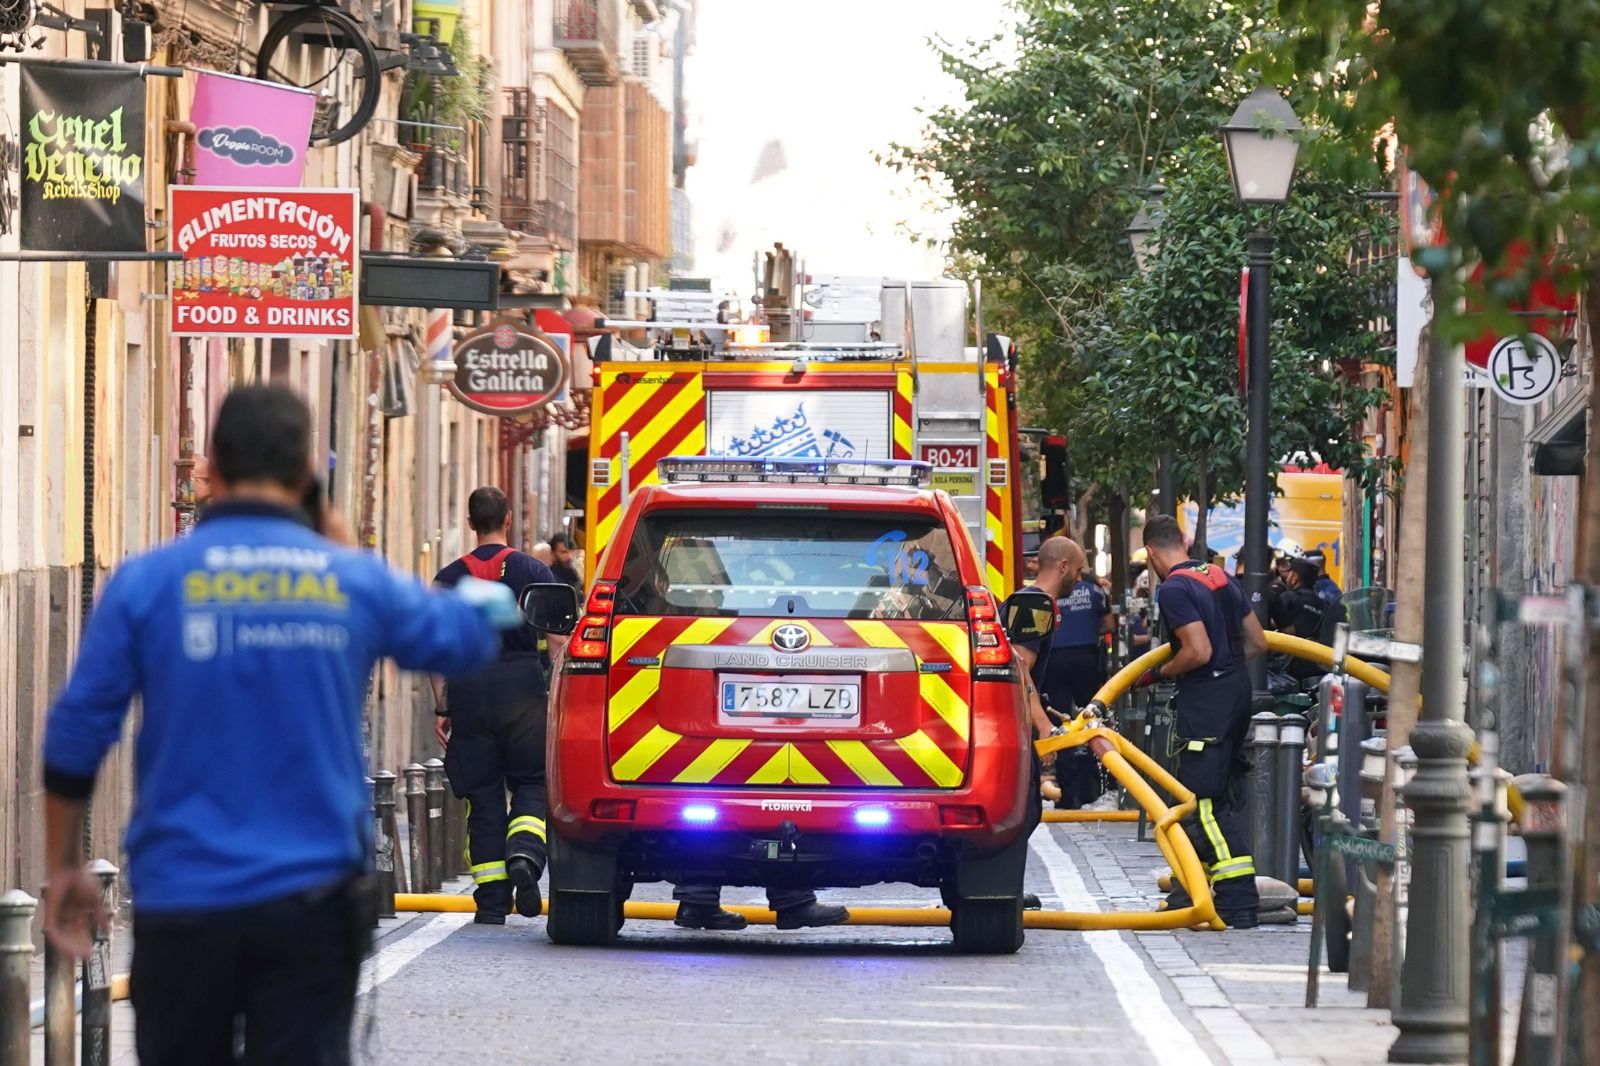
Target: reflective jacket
{"type": "Point", "coordinates": [250, 643]}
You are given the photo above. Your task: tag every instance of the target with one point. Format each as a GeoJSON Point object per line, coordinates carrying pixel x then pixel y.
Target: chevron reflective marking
{"type": "Point", "coordinates": [711, 762]}
{"type": "Point", "coordinates": [865, 765]}
{"type": "Point", "coordinates": [937, 693]}
{"type": "Point", "coordinates": [934, 762]}
{"type": "Point", "coordinates": [801, 771]}
{"type": "Point", "coordinates": [703, 631]}
{"type": "Point", "coordinates": [775, 771]}
{"type": "Point", "coordinates": [876, 634]}
{"type": "Point", "coordinates": [626, 632]}
{"type": "Point", "coordinates": [635, 693]}
{"type": "Point", "coordinates": [954, 640]}
{"type": "Point", "coordinates": [644, 754]}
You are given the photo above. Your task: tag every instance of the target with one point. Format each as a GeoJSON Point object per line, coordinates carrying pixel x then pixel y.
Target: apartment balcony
{"type": "Point", "coordinates": [586, 31]}
{"type": "Point", "coordinates": [538, 175]}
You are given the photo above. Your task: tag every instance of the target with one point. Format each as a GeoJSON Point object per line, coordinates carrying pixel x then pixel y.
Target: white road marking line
{"type": "Point", "coordinates": [391, 959]}
{"type": "Point", "coordinates": [1137, 992]}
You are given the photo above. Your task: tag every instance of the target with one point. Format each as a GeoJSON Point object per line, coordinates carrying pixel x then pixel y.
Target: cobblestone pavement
{"type": "Point", "coordinates": [441, 989]}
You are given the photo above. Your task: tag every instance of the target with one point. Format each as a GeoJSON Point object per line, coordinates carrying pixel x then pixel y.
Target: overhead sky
{"type": "Point", "coordinates": [788, 102]}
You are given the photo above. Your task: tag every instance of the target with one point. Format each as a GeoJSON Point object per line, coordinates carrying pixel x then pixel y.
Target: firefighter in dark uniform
{"type": "Point", "coordinates": [1213, 631]}
{"type": "Point", "coordinates": [492, 724]}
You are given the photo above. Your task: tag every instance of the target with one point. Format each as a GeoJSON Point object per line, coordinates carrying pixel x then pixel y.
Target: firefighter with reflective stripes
{"type": "Point", "coordinates": [1213, 631]}
{"type": "Point", "coordinates": [492, 724]}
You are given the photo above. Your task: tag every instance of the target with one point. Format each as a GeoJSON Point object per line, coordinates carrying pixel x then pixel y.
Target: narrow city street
{"type": "Point", "coordinates": [440, 988]}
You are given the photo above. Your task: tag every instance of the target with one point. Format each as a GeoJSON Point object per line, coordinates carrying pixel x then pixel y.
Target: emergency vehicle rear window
{"type": "Point", "coordinates": [789, 565]}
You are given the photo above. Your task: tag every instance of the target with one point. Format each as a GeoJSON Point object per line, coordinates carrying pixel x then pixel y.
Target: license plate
{"type": "Point", "coordinates": [823, 700]}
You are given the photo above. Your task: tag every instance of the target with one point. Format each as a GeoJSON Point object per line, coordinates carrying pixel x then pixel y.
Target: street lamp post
{"type": "Point", "coordinates": [1261, 156]}
{"type": "Point", "coordinates": [1142, 236]}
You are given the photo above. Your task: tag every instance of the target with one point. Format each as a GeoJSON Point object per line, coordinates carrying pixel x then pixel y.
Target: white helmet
{"type": "Point", "coordinates": [1290, 549]}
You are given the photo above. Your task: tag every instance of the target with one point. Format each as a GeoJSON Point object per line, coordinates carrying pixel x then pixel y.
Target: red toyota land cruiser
{"type": "Point", "coordinates": [789, 674]}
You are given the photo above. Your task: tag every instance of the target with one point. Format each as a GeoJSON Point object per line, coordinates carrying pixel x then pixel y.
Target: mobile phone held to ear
{"type": "Point", "coordinates": [314, 503]}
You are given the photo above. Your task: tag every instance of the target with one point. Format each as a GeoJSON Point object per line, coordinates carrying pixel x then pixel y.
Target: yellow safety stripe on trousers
{"type": "Point", "coordinates": [526, 823]}
{"type": "Point", "coordinates": [1208, 822]}
{"type": "Point", "coordinates": [485, 872]}
{"type": "Point", "coordinates": [1243, 866]}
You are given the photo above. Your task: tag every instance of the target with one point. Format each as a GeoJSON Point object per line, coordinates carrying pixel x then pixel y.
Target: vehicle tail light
{"type": "Point", "coordinates": [989, 644]}
{"type": "Point", "coordinates": [962, 816]}
{"type": "Point", "coordinates": [590, 639]}
{"type": "Point", "coordinates": [612, 810]}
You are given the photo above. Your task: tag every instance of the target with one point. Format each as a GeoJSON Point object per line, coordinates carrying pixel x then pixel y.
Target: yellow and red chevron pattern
{"type": "Point", "coordinates": [662, 725]}
{"type": "Point", "coordinates": [662, 409]}
{"type": "Point", "coordinates": [998, 565]}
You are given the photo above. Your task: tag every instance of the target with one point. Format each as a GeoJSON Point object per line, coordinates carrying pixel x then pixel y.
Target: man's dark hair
{"type": "Point", "coordinates": [262, 433]}
{"type": "Point", "coordinates": [1161, 531]}
{"type": "Point", "coordinates": [487, 509]}
{"type": "Point", "coordinates": [1306, 569]}
{"type": "Point", "coordinates": [559, 540]}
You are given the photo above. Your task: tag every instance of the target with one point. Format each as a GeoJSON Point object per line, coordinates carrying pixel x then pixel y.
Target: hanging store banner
{"type": "Point", "coordinates": [83, 160]}
{"type": "Point", "coordinates": [509, 368]}
{"type": "Point", "coordinates": [264, 262]}
{"type": "Point", "coordinates": [250, 132]}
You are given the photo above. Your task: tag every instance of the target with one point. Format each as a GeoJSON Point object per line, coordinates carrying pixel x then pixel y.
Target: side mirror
{"type": "Point", "coordinates": [1028, 614]}
{"type": "Point", "coordinates": [552, 608]}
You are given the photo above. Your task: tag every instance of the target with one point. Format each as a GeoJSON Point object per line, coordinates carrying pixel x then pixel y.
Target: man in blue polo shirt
{"type": "Point", "coordinates": [1076, 667]}
{"type": "Point", "coordinates": [1214, 631]}
{"type": "Point", "coordinates": [250, 642]}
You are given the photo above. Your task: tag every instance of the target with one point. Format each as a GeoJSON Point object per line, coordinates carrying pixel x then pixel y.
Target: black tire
{"type": "Point", "coordinates": [585, 903]}
{"type": "Point", "coordinates": [987, 926]}
{"type": "Point", "coordinates": [583, 919]}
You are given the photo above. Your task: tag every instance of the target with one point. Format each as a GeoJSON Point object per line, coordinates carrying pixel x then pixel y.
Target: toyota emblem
{"type": "Point", "coordinates": [791, 638]}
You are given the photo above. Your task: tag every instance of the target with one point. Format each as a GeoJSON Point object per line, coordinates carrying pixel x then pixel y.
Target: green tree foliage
{"type": "Point", "coordinates": [1498, 107]}
{"type": "Point", "coordinates": [1060, 131]}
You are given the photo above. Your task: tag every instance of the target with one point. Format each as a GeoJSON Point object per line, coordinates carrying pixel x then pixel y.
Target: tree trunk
{"type": "Point", "coordinates": [1118, 507]}
{"type": "Point", "coordinates": [1578, 749]}
{"type": "Point", "coordinates": [1202, 497]}
{"type": "Point", "coordinates": [1405, 678]}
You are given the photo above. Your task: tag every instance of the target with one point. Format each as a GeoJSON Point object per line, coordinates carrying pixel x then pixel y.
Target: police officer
{"type": "Point", "coordinates": [492, 724]}
{"type": "Point", "coordinates": [1076, 666]}
{"type": "Point", "coordinates": [1213, 631]}
{"type": "Point", "coordinates": [249, 643]}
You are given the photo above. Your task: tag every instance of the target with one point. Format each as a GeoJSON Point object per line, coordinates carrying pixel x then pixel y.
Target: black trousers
{"type": "Point", "coordinates": [496, 753]}
{"type": "Point", "coordinates": [1075, 674]}
{"type": "Point", "coordinates": [778, 899]}
{"type": "Point", "coordinates": [1213, 722]}
{"type": "Point", "coordinates": [281, 976]}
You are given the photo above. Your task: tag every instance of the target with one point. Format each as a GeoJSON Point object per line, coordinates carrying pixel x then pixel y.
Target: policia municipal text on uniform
{"type": "Point", "coordinates": [1214, 632]}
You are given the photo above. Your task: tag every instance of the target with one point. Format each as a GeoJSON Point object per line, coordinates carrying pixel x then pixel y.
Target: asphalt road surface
{"type": "Point", "coordinates": [442, 989]}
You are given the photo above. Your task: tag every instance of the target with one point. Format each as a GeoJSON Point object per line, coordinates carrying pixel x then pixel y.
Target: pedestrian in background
{"type": "Point", "coordinates": [1213, 631]}
{"type": "Point", "coordinates": [564, 566]}
{"type": "Point", "coordinates": [492, 726]}
{"type": "Point", "coordinates": [249, 643]}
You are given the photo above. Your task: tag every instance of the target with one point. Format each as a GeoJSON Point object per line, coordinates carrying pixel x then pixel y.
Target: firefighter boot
{"type": "Point", "coordinates": [524, 876]}
{"type": "Point", "coordinates": [525, 860]}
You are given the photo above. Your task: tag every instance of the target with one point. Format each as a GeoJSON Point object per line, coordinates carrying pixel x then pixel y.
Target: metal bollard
{"type": "Point", "coordinates": [1544, 991]}
{"type": "Point", "coordinates": [383, 836]}
{"type": "Point", "coordinates": [1286, 808]}
{"type": "Point", "coordinates": [435, 790]}
{"type": "Point", "coordinates": [60, 1002]}
{"type": "Point", "coordinates": [16, 950]}
{"type": "Point", "coordinates": [1263, 790]}
{"type": "Point", "coordinates": [96, 1045]}
{"type": "Point", "coordinates": [417, 826]}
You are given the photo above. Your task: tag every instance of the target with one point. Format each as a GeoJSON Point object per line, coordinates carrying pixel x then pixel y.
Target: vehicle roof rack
{"type": "Point", "coordinates": [691, 469]}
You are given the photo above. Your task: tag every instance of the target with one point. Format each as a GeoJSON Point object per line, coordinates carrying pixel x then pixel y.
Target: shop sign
{"type": "Point", "coordinates": [83, 160]}
{"type": "Point", "coordinates": [264, 262]}
{"type": "Point", "coordinates": [250, 132]}
{"type": "Point", "coordinates": [509, 368]}
{"type": "Point", "coordinates": [1524, 370]}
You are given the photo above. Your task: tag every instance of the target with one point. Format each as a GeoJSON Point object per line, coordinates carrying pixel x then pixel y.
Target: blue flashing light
{"type": "Point", "coordinates": [872, 817]}
{"type": "Point", "coordinates": [700, 813]}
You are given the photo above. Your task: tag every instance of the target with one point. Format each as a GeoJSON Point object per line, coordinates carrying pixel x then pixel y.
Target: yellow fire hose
{"type": "Point", "coordinates": [1300, 648]}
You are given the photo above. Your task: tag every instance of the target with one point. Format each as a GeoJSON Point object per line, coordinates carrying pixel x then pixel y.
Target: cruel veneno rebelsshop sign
{"type": "Point", "coordinates": [508, 368]}
{"type": "Point", "coordinates": [83, 160]}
